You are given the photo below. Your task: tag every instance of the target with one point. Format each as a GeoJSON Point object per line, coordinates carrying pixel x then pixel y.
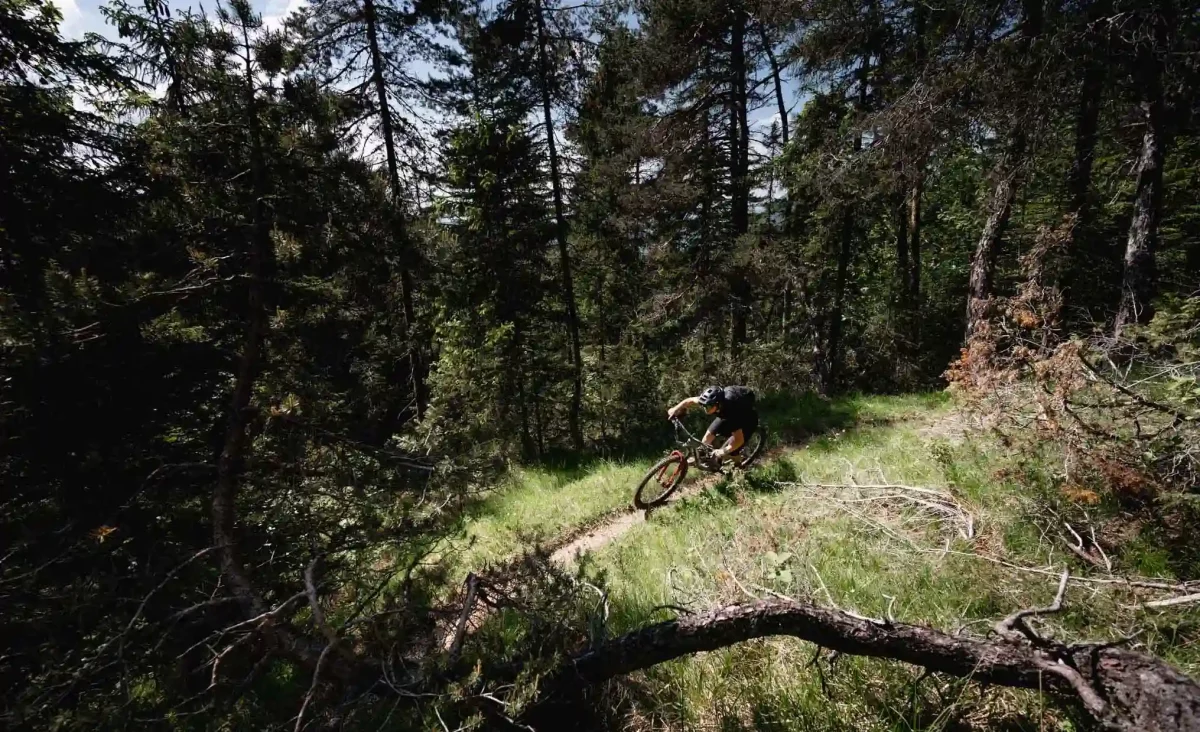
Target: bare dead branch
{"type": "Point", "coordinates": [1142, 692]}
{"type": "Point", "coordinates": [1150, 403]}
{"type": "Point", "coordinates": [1123, 581]}
{"type": "Point", "coordinates": [1173, 601]}
{"type": "Point", "coordinates": [142, 606]}
{"type": "Point", "coordinates": [460, 630]}
{"type": "Point", "coordinates": [938, 502]}
{"type": "Point", "coordinates": [312, 688]}
{"type": "Point", "coordinates": [1009, 626]}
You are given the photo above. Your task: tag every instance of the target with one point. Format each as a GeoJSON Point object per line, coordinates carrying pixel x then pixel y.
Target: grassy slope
{"type": "Point", "coordinates": [791, 542]}
{"type": "Point", "coordinates": [539, 504]}
{"type": "Point", "coordinates": [739, 538]}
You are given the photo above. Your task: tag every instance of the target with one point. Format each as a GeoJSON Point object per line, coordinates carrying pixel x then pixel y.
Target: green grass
{"type": "Point", "coordinates": [761, 534]}
{"type": "Point", "coordinates": [738, 539]}
{"type": "Point", "coordinates": [537, 505]}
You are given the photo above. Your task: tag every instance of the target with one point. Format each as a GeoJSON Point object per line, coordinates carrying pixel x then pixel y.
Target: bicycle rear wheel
{"type": "Point", "coordinates": [754, 446]}
{"type": "Point", "coordinates": [661, 481]}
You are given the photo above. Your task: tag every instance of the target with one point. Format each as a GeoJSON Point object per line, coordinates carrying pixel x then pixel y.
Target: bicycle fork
{"type": "Point", "coordinates": [665, 478]}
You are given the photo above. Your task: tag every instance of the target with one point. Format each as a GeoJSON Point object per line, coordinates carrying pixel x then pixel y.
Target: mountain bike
{"type": "Point", "coordinates": [667, 474]}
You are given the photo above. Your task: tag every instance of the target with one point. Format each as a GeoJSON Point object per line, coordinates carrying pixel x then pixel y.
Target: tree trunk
{"type": "Point", "coordinates": [1139, 281]}
{"type": "Point", "coordinates": [739, 167]}
{"type": "Point", "coordinates": [175, 91]}
{"type": "Point", "coordinates": [914, 239]}
{"type": "Point", "coordinates": [777, 76]}
{"type": "Point", "coordinates": [231, 461]}
{"type": "Point", "coordinates": [1079, 177]}
{"type": "Point", "coordinates": [560, 220]}
{"type": "Point", "coordinates": [786, 319]}
{"type": "Point", "coordinates": [415, 362]}
{"type": "Point", "coordinates": [903, 267]}
{"type": "Point", "coordinates": [983, 262]}
{"type": "Point", "coordinates": [833, 351]}
{"type": "Point", "coordinates": [1121, 689]}
{"type": "Point", "coordinates": [528, 446]}
{"type": "Point", "coordinates": [916, 188]}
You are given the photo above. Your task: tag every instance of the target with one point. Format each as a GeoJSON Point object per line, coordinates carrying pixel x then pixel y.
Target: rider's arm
{"type": "Point", "coordinates": [681, 407]}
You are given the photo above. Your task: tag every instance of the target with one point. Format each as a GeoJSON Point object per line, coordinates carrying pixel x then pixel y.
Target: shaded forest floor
{"type": "Point", "coordinates": [831, 519]}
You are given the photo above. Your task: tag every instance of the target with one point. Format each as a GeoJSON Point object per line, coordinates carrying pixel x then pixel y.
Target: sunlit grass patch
{"type": "Point", "coordinates": [755, 538]}
{"type": "Point", "coordinates": [538, 505]}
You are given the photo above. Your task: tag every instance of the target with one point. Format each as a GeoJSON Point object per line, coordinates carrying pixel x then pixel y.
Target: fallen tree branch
{"type": "Point", "coordinates": [939, 502]}
{"type": "Point", "coordinates": [1135, 691]}
{"type": "Point", "coordinates": [460, 631]}
{"type": "Point", "coordinates": [875, 486]}
{"type": "Point", "coordinates": [1015, 623]}
{"type": "Point", "coordinates": [1172, 601]}
{"type": "Point", "coordinates": [1179, 416]}
{"type": "Point", "coordinates": [1127, 582]}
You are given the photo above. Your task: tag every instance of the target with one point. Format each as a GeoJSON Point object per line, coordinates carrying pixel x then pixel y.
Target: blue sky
{"type": "Point", "coordinates": [83, 16]}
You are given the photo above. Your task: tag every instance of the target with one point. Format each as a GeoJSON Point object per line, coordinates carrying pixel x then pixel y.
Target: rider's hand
{"type": "Point", "coordinates": [671, 413]}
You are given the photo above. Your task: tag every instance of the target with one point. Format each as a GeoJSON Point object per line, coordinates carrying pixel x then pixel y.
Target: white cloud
{"type": "Point", "coordinates": [277, 11]}
{"type": "Point", "coordinates": [74, 24]}
{"type": "Point", "coordinates": [764, 123]}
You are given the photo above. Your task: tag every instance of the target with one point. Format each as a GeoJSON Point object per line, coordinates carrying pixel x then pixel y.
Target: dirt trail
{"type": "Point", "coordinates": [605, 533]}
{"type": "Point", "coordinates": [951, 426]}
{"type": "Point", "coordinates": [572, 546]}
{"type": "Point", "coordinates": [613, 529]}
{"type": "Point", "coordinates": [568, 548]}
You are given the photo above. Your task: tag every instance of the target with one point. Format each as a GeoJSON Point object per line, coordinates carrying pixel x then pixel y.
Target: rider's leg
{"type": "Point", "coordinates": [736, 441]}
{"type": "Point", "coordinates": [714, 429]}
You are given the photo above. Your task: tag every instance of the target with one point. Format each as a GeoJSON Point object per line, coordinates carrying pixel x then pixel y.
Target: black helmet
{"type": "Point", "coordinates": [712, 395]}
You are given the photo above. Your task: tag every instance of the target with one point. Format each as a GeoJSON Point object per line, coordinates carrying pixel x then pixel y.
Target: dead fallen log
{"type": "Point", "coordinates": [1124, 690]}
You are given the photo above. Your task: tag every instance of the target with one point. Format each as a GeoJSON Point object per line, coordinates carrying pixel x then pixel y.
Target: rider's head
{"type": "Point", "coordinates": [711, 399]}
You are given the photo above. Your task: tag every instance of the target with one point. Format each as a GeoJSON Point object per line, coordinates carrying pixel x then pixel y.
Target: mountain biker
{"type": "Point", "coordinates": [736, 418]}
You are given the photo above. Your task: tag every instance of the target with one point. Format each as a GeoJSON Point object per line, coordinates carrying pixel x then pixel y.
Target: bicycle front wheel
{"type": "Point", "coordinates": [660, 481]}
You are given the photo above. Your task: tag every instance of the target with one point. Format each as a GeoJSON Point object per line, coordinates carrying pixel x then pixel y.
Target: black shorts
{"type": "Point", "coordinates": [724, 428]}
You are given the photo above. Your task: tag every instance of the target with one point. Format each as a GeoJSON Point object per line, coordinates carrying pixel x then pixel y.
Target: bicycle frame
{"type": "Point", "coordinates": [690, 443]}
{"type": "Point", "coordinates": [674, 468]}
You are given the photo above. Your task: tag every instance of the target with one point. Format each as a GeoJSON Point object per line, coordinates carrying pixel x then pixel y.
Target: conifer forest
{"type": "Point", "coordinates": [335, 338]}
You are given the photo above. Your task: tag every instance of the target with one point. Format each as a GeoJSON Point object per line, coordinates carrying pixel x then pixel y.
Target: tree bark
{"type": "Point", "coordinates": [983, 262]}
{"type": "Point", "coordinates": [1087, 116]}
{"type": "Point", "coordinates": [777, 76]}
{"type": "Point", "coordinates": [573, 416]}
{"type": "Point", "coordinates": [914, 246]}
{"type": "Point", "coordinates": [739, 133]}
{"type": "Point", "coordinates": [1139, 280]}
{"type": "Point", "coordinates": [1134, 691]}
{"type": "Point", "coordinates": [415, 362]}
{"type": "Point", "coordinates": [833, 352]}
{"type": "Point", "coordinates": [231, 461]}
